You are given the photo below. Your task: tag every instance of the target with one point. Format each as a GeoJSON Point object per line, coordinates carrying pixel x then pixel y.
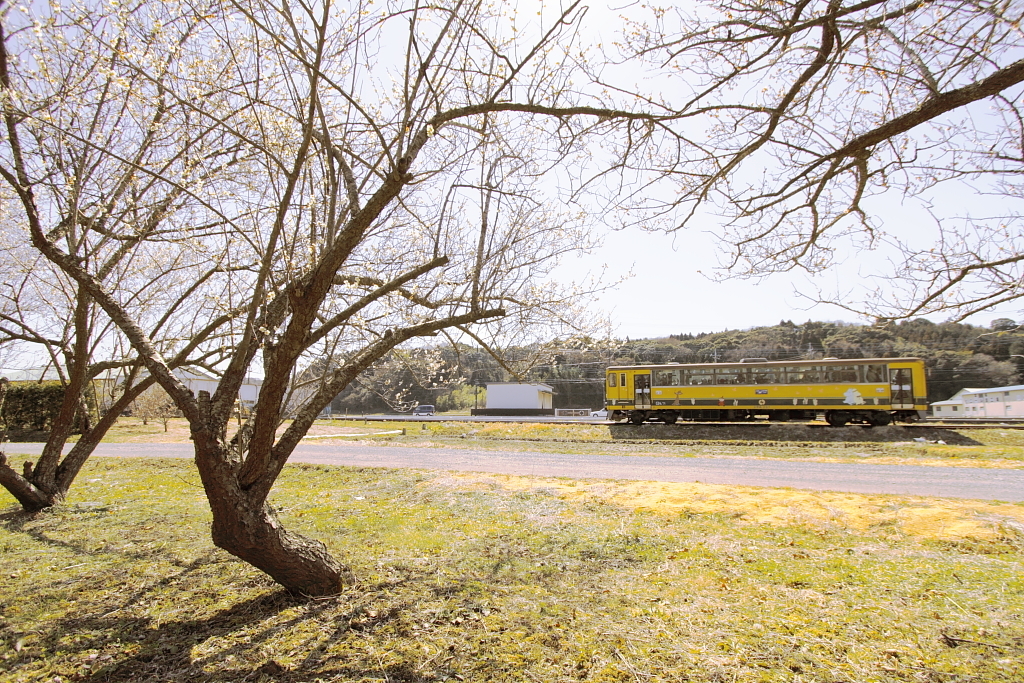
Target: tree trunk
{"type": "Point", "coordinates": [249, 529]}
{"type": "Point", "coordinates": [47, 483]}
{"type": "Point", "coordinates": [21, 487]}
{"type": "Point", "coordinates": [32, 499]}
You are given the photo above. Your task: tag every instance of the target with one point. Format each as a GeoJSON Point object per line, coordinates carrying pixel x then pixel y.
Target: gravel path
{"type": "Point", "coordinates": [946, 482]}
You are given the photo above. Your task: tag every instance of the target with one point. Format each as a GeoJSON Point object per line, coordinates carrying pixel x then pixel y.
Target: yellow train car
{"type": "Point", "coordinates": [871, 391]}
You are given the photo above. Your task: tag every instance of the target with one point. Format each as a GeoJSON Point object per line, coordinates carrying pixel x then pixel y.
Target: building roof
{"type": "Point", "coordinates": [49, 373]}
{"type": "Point", "coordinates": [521, 384]}
{"type": "Point", "coordinates": [954, 397]}
{"type": "Point", "coordinates": [952, 400]}
{"type": "Point", "coordinates": [30, 374]}
{"type": "Point", "coordinates": [44, 374]}
{"type": "Point", "coordinates": [1015, 387]}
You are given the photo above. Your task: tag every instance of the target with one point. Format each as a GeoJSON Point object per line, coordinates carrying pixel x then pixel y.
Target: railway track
{"type": "Point", "coordinates": [760, 424]}
{"type": "Point", "coordinates": [818, 425]}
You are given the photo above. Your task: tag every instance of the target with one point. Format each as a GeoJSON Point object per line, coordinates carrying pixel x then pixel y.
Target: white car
{"type": "Point", "coordinates": [599, 413]}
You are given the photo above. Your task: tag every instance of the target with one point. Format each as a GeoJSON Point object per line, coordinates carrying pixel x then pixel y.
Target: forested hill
{"type": "Point", "coordinates": [957, 356]}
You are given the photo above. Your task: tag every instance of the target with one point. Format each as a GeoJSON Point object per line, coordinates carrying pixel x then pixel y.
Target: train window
{"type": "Point", "coordinates": [875, 373]}
{"type": "Point", "coordinates": [803, 374]}
{"type": "Point", "coordinates": [622, 379]}
{"type": "Point", "coordinates": [768, 377]}
{"type": "Point", "coordinates": [666, 378]}
{"type": "Point", "coordinates": [841, 373]}
{"type": "Point", "coordinates": [723, 376]}
{"type": "Point", "coordinates": [700, 376]}
{"type": "Point", "coordinates": [611, 379]}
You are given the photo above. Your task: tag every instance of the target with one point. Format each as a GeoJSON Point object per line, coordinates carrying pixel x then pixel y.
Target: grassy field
{"type": "Point", "coordinates": [496, 578]}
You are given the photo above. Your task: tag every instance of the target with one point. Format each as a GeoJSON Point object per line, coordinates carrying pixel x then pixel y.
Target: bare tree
{"type": "Point", "coordinates": [91, 161]}
{"type": "Point", "coordinates": [417, 168]}
{"type": "Point", "coordinates": [154, 404]}
{"type": "Point", "coordinates": [804, 122]}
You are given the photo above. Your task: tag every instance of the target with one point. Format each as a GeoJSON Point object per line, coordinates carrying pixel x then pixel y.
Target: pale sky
{"type": "Point", "coordinates": [667, 295]}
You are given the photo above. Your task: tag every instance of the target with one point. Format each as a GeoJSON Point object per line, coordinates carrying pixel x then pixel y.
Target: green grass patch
{"type": "Point", "coordinates": [463, 580]}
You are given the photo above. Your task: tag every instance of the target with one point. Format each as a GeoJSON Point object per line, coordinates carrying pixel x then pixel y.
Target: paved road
{"type": "Point", "coordinates": [947, 482]}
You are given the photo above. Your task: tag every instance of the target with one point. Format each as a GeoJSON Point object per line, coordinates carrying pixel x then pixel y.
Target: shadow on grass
{"type": "Point", "coordinates": [15, 518]}
{"type": "Point", "coordinates": [16, 521]}
{"type": "Point", "coordinates": [761, 433]}
{"type": "Point", "coordinates": [165, 651]}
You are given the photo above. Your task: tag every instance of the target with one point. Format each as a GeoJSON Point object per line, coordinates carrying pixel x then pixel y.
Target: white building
{"type": "Point", "coordinates": [993, 403]}
{"type": "Point", "coordinates": [518, 396]}
{"type": "Point", "coordinates": [195, 380]}
{"type": "Point", "coordinates": [515, 396]}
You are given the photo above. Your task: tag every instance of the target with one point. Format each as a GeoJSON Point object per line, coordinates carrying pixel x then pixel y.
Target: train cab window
{"type": "Point", "coordinates": [698, 376]}
{"type": "Point", "coordinates": [666, 378]}
{"type": "Point", "coordinates": [611, 379]}
{"type": "Point", "coordinates": [875, 373]}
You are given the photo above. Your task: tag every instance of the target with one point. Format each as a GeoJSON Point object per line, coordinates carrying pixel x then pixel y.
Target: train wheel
{"type": "Point", "coordinates": [837, 418]}
{"type": "Point", "coordinates": [879, 418]}
{"type": "Point", "coordinates": [670, 418]}
{"type": "Point", "coordinates": [637, 417]}
{"type": "Point", "coordinates": [779, 416]}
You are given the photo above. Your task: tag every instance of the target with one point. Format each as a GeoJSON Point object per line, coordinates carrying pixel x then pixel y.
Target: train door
{"type": "Point", "coordinates": [902, 388]}
{"type": "Point", "coordinates": [642, 390]}
{"type": "Point", "coordinates": [616, 388]}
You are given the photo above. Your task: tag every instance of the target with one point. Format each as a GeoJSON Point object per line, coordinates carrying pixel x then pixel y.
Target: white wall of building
{"type": "Point", "coordinates": [532, 396]}
{"type": "Point", "coordinates": [994, 403]}
{"type": "Point", "coordinates": [196, 382]}
{"type": "Point", "coordinates": [947, 409]}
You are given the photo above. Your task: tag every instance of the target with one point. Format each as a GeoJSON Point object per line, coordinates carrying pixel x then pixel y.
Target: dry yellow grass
{"type": "Point", "coordinates": [932, 518]}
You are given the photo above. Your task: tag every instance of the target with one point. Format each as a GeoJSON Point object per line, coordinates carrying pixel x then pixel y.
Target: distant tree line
{"type": "Point", "coordinates": [956, 355]}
